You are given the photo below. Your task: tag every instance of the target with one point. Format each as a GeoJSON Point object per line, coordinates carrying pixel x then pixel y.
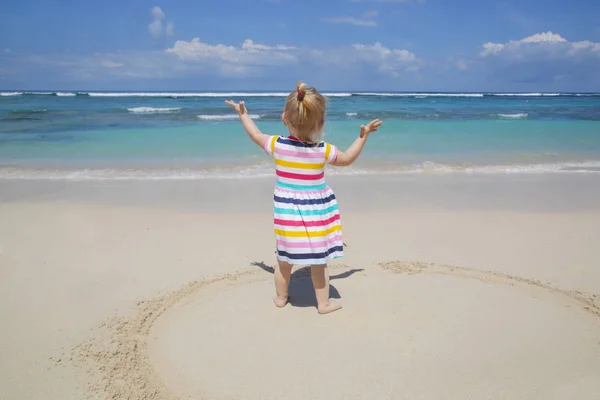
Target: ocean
{"type": "Point", "coordinates": [184, 135]}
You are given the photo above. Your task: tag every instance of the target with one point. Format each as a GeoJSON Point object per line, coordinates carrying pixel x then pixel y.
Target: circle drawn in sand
{"type": "Point", "coordinates": [589, 302]}
{"type": "Point", "coordinates": [120, 361]}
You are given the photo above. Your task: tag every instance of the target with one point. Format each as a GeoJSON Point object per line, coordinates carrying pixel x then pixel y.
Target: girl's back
{"type": "Point", "coordinates": [300, 165]}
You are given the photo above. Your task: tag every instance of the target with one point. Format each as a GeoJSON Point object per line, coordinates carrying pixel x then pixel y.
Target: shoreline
{"type": "Point", "coordinates": [256, 166]}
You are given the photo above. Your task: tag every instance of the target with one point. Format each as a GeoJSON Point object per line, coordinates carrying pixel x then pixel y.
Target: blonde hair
{"type": "Point", "coordinates": [305, 113]}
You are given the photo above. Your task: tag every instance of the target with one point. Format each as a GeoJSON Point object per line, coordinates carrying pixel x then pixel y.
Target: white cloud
{"type": "Point", "coordinates": [157, 13]}
{"type": "Point", "coordinates": [194, 58]}
{"type": "Point", "coordinates": [169, 29]}
{"type": "Point", "coordinates": [546, 37]}
{"type": "Point", "coordinates": [156, 28]}
{"type": "Point", "coordinates": [255, 59]}
{"type": "Point", "coordinates": [542, 62]}
{"type": "Point", "coordinates": [543, 58]}
{"type": "Point", "coordinates": [585, 45]}
{"type": "Point", "coordinates": [367, 19]}
{"type": "Point", "coordinates": [197, 50]}
{"type": "Point", "coordinates": [250, 58]}
{"type": "Point", "coordinates": [389, 61]}
{"type": "Point", "coordinates": [378, 50]}
{"type": "Point", "coordinates": [251, 46]}
{"type": "Point", "coordinates": [8, 51]}
{"type": "Point", "coordinates": [546, 44]}
{"type": "Point", "coordinates": [491, 48]}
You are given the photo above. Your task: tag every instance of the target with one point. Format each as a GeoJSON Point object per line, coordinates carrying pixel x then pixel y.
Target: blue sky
{"type": "Point", "coordinates": [405, 45]}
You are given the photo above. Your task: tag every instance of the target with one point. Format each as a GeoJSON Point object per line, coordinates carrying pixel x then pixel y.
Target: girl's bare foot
{"type": "Point", "coordinates": [280, 301]}
{"type": "Point", "coordinates": [283, 274]}
{"type": "Point", "coordinates": [329, 307]}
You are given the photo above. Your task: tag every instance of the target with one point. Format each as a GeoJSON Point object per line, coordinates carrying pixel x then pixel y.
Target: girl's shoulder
{"type": "Point", "coordinates": [293, 141]}
{"type": "Point", "coordinates": [287, 144]}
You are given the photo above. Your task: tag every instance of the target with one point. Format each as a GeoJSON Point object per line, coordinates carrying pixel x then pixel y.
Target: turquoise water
{"type": "Point", "coordinates": [190, 135]}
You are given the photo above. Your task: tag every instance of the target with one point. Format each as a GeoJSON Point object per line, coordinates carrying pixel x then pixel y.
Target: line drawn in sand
{"type": "Point", "coordinates": [118, 363]}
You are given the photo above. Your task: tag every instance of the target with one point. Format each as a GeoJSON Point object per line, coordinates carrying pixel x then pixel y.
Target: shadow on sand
{"type": "Point", "coordinates": [302, 293]}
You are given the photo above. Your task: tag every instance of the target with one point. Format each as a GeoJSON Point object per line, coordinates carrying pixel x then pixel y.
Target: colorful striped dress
{"type": "Point", "coordinates": [306, 216]}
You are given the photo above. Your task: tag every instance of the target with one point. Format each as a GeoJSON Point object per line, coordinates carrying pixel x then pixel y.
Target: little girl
{"type": "Point", "coordinates": [307, 221]}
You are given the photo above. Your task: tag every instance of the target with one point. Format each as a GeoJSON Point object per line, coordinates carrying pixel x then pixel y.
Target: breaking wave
{"type": "Point", "coordinates": [152, 110]}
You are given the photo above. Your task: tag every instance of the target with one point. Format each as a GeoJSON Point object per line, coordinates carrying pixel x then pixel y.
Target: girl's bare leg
{"type": "Point", "coordinates": [320, 279]}
{"type": "Point", "coordinates": [283, 273]}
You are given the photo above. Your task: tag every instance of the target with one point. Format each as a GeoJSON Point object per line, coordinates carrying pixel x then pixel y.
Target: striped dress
{"type": "Point", "coordinates": [306, 216]}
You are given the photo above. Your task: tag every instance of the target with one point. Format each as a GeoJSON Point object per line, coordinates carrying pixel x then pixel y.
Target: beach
{"type": "Point", "coordinates": [454, 286]}
{"type": "Point", "coordinates": [163, 164]}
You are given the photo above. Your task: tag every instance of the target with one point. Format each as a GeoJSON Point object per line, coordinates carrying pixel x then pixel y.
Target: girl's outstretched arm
{"type": "Point", "coordinates": [251, 129]}
{"type": "Point", "coordinates": [349, 156]}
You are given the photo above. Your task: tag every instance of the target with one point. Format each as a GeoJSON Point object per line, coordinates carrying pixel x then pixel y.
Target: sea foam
{"type": "Point", "coordinates": [224, 117]}
{"type": "Point", "coordinates": [266, 170]}
{"type": "Point", "coordinates": [202, 94]}
{"type": "Point", "coordinates": [284, 94]}
{"type": "Point", "coordinates": [526, 94]}
{"type": "Point", "coordinates": [514, 116]}
{"type": "Point", "coordinates": [152, 110]}
{"type": "Point", "coordinates": [421, 95]}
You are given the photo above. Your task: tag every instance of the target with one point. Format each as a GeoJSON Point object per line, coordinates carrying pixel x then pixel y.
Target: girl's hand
{"type": "Point", "coordinates": [370, 127]}
{"type": "Point", "coordinates": [239, 108]}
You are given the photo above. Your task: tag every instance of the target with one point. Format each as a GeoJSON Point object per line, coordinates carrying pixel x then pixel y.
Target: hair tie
{"type": "Point", "coordinates": [301, 94]}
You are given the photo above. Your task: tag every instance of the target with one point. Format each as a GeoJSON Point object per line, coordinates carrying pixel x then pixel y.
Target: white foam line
{"type": "Point", "coordinates": [201, 94]}
{"type": "Point", "coordinates": [266, 170]}
{"type": "Point", "coordinates": [224, 117]}
{"type": "Point", "coordinates": [174, 94]}
{"type": "Point", "coordinates": [514, 116]}
{"type": "Point", "coordinates": [421, 94]}
{"type": "Point", "coordinates": [526, 94]}
{"type": "Point", "coordinates": [152, 110]}
{"type": "Point", "coordinates": [284, 94]}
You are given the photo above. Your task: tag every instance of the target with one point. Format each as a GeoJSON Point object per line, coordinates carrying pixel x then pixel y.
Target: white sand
{"type": "Point", "coordinates": [424, 336]}
{"type": "Point", "coordinates": [67, 266]}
